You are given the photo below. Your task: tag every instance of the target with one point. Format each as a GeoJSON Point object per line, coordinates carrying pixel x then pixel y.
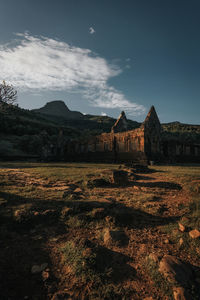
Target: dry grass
{"type": "Point", "coordinates": [38, 225]}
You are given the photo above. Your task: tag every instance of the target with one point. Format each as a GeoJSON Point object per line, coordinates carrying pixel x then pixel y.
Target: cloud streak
{"type": "Point", "coordinates": [40, 63]}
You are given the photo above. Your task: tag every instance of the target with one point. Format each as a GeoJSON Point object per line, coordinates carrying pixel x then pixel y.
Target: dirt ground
{"type": "Point", "coordinates": [37, 222]}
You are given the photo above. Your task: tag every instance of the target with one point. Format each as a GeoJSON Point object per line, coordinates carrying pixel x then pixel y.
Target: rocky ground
{"type": "Point", "coordinates": [116, 233]}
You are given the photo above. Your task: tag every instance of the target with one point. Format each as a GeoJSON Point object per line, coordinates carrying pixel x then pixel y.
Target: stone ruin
{"type": "Point", "coordinates": [121, 124]}
{"type": "Point", "coordinates": [121, 145]}
{"type": "Point", "coordinates": [138, 146]}
{"type": "Point", "coordinates": [141, 145]}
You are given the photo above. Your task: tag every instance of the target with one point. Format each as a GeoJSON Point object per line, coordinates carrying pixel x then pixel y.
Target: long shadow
{"type": "Point", "coordinates": [20, 251]}
{"type": "Point", "coordinates": [160, 184]}
{"type": "Point", "coordinates": [107, 259]}
{"type": "Point", "coordinates": [131, 217]}
{"type": "Point", "coordinates": [142, 177]}
{"type": "Point", "coordinates": [144, 169]}
{"type": "Point", "coordinates": [24, 239]}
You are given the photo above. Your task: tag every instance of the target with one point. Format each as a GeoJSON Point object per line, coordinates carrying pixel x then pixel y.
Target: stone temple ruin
{"type": "Point", "coordinates": [121, 145]}
{"type": "Point", "coordinates": [140, 145]}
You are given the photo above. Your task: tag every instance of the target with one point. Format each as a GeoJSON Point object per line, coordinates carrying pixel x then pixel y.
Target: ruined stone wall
{"type": "Point", "coordinates": [128, 141]}
{"type": "Point", "coordinates": [118, 147]}
{"type": "Point", "coordinates": [176, 151]}
{"type": "Point", "coordinates": [138, 145]}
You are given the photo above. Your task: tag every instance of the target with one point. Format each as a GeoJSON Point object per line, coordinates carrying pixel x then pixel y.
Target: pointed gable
{"type": "Point", "coordinates": [121, 124]}
{"type": "Point", "coordinates": [151, 121]}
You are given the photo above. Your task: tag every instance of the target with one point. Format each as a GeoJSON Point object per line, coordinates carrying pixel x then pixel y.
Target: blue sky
{"type": "Point", "coordinates": [104, 56]}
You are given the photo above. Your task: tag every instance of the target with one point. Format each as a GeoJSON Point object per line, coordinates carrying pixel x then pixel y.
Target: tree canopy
{"type": "Point", "coordinates": [8, 95]}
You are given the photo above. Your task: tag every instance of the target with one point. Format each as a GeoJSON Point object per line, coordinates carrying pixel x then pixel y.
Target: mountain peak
{"type": "Point", "coordinates": [58, 108]}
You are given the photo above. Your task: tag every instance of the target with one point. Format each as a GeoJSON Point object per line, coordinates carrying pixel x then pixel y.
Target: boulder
{"type": "Point", "coordinates": [154, 257]}
{"type": "Point", "coordinates": [97, 182]}
{"type": "Point", "coordinates": [175, 271]}
{"type": "Point", "coordinates": [179, 293]}
{"type": "Point", "coordinates": [181, 227]}
{"type": "Point", "coordinates": [194, 234]}
{"type": "Point", "coordinates": [120, 177]}
{"type": "Point", "coordinates": [117, 237]}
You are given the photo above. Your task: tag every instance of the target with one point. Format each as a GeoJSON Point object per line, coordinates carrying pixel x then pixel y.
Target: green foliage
{"type": "Point", "coordinates": [159, 281]}
{"type": "Point", "coordinates": [81, 262]}
{"type": "Point", "coordinates": [181, 132]}
{"type": "Point", "coordinates": [8, 95]}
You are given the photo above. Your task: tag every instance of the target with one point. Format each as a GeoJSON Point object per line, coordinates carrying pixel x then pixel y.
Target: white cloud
{"type": "Point", "coordinates": [39, 63]}
{"type": "Point", "coordinates": [91, 30]}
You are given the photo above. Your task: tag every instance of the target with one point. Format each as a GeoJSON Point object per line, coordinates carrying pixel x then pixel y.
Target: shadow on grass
{"type": "Point", "coordinates": [157, 184]}
{"type": "Point", "coordinates": [49, 211]}
{"type": "Point", "coordinates": [142, 177]}
{"type": "Point", "coordinates": [24, 239]}
{"type": "Point", "coordinates": [160, 184]}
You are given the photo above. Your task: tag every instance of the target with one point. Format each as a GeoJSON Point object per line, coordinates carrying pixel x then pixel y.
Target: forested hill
{"type": "Point", "coordinates": [182, 132]}
{"type": "Point", "coordinates": [19, 121]}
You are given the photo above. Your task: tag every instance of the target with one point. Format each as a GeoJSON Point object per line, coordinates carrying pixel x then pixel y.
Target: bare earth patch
{"type": "Point", "coordinates": [66, 239]}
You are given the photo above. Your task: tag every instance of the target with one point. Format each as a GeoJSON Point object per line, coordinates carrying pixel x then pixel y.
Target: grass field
{"type": "Point", "coordinates": [63, 236]}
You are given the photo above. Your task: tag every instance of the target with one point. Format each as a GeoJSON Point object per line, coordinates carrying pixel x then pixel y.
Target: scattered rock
{"type": "Point", "coordinates": [22, 215]}
{"type": "Point", "coordinates": [115, 237]}
{"type": "Point", "coordinates": [185, 220]}
{"type": "Point", "coordinates": [154, 257]}
{"type": "Point", "coordinates": [98, 182]}
{"type": "Point", "coordinates": [181, 241]}
{"type": "Point", "coordinates": [194, 234]}
{"type": "Point", "coordinates": [181, 227]}
{"type": "Point", "coordinates": [45, 275]}
{"type": "Point", "coordinates": [137, 188]}
{"type": "Point", "coordinates": [179, 293]}
{"type": "Point", "coordinates": [38, 268]}
{"type": "Point", "coordinates": [120, 177]}
{"type": "Point", "coordinates": [166, 241]}
{"type": "Point", "coordinates": [175, 271]}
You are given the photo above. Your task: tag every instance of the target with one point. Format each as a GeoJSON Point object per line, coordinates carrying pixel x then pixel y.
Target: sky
{"type": "Point", "coordinates": [104, 56]}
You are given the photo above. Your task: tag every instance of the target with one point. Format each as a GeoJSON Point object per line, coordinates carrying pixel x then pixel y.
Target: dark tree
{"type": "Point", "coordinates": [8, 95]}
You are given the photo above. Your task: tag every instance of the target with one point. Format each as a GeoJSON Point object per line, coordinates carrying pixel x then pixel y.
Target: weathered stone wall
{"type": "Point", "coordinates": [139, 145]}
{"type": "Point", "coordinates": [119, 147]}
{"type": "Point", "coordinates": [175, 151]}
